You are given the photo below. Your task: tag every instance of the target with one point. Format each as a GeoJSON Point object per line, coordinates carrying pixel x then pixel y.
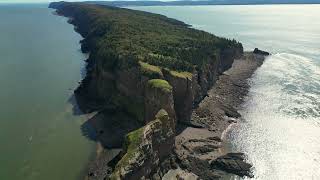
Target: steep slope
{"type": "Point", "coordinates": [143, 64]}
{"type": "Point", "coordinates": [129, 47]}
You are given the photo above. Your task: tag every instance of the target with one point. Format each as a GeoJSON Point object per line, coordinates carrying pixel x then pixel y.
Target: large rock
{"type": "Point", "coordinates": [179, 174]}
{"type": "Point", "coordinates": [260, 52]}
{"type": "Point", "coordinates": [145, 148]}
{"type": "Point", "coordinates": [158, 95]}
{"type": "Point", "coordinates": [233, 163]}
{"type": "Point", "coordinates": [181, 83]}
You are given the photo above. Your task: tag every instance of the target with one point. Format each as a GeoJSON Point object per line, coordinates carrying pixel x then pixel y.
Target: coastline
{"type": "Point", "coordinates": [197, 145]}
{"type": "Point", "coordinates": [223, 98]}
{"type": "Point", "coordinates": [214, 116]}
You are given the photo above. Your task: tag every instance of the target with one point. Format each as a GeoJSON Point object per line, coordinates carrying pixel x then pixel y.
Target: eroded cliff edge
{"type": "Point", "coordinates": [150, 68]}
{"type": "Point", "coordinates": [127, 48]}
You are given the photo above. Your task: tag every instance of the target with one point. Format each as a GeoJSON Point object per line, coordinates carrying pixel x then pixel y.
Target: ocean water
{"type": "Point", "coordinates": [40, 66]}
{"type": "Point", "coordinates": [280, 126]}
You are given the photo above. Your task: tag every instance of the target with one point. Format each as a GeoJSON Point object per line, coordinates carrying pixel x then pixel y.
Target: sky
{"type": "Point", "coordinates": [40, 1]}
{"type": "Point", "coordinates": [34, 1]}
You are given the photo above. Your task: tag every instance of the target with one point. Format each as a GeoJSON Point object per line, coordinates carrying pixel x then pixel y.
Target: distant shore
{"type": "Point", "coordinates": [200, 3]}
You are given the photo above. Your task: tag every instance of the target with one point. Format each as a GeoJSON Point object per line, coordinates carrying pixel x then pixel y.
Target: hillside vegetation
{"type": "Point", "coordinates": [149, 69]}
{"type": "Point", "coordinates": [123, 37]}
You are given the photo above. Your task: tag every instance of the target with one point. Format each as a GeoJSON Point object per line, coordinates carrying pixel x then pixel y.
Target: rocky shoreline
{"type": "Point", "coordinates": [198, 151]}
{"type": "Point", "coordinates": [162, 115]}
{"type": "Point", "coordinates": [200, 145]}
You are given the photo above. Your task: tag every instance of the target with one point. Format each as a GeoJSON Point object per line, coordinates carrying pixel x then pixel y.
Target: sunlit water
{"type": "Point", "coordinates": [280, 130]}
{"type": "Point", "coordinates": [40, 66]}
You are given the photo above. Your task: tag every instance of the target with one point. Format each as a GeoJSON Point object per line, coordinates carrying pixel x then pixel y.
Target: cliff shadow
{"type": "Point", "coordinates": [81, 105]}
{"type": "Point", "coordinates": [109, 127]}
{"type": "Point", "coordinates": [75, 106]}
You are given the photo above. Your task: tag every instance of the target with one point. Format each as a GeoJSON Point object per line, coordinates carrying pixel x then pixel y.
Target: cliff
{"type": "Point", "coordinates": [127, 48]}
{"type": "Point", "coordinates": [152, 67]}
{"type": "Point", "coordinates": [145, 148]}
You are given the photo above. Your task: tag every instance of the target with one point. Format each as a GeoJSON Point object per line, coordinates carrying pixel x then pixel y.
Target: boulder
{"type": "Point", "coordinates": [258, 51]}
{"type": "Point", "coordinates": [233, 163]}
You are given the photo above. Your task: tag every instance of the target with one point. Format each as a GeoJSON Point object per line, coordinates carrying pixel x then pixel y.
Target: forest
{"type": "Point", "coordinates": [121, 38]}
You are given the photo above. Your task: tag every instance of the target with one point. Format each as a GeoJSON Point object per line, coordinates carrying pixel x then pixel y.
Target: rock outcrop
{"type": "Point", "coordinates": [258, 51]}
{"type": "Point", "coordinates": [145, 148]}
{"type": "Point", "coordinates": [183, 93]}
{"type": "Point", "coordinates": [233, 163]}
{"type": "Point", "coordinates": [158, 95]}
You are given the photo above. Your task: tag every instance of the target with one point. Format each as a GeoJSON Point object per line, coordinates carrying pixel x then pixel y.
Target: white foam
{"type": "Point", "coordinates": [281, 132]}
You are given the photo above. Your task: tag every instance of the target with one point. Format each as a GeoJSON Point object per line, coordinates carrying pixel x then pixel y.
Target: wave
{"type": "Point", "coordinates": [291, 82]}
{"type": "Point", "coordinates": [281, 128]}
